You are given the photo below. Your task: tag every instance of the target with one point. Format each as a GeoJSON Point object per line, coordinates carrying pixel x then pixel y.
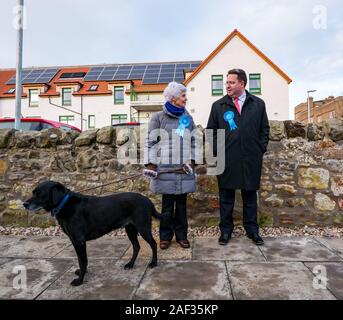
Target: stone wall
{"type": "Point", "coordinates": [302, 181]}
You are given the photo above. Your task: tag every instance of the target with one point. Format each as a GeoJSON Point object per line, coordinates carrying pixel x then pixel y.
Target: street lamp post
{"type": "Point", "coordinates": [20, 22]}
{"type": "Point", "coordinates": [308, 106]}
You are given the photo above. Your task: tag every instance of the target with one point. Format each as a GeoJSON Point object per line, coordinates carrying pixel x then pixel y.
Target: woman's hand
{"type": "Point", "coordinates": [151, 166]}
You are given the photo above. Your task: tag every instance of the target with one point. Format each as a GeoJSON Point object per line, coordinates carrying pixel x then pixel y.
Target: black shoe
{"type": "Point", "coordinates": [256, 239]}
{"type": "Point", "coordinates": [224, 239]}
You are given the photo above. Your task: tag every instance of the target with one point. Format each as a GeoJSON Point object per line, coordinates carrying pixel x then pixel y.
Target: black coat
{"type": "Point", "coordinates": [245, 146]}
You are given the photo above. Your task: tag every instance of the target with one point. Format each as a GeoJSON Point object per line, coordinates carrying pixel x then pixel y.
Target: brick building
{"type": "Point", "coordinates": [320, 110]}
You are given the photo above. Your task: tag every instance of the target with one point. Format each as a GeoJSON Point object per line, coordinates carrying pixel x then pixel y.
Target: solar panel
{"type": "Point", "coordinates": [139, 67]}
{"type": "Point", "coordinates": [150, 73]}
{"type": "Point", "coordinates": [35, 76]}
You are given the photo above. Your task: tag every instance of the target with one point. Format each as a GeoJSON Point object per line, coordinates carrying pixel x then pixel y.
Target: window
{"type": "Point", "coordinates": [91, 121]}
{"type": "Point", "coordinates": [217, 85]}
{"type": "Point", "coordinates": [70, 75]}
{"type": "Point", "coordinates": [67, 119]}
{"type": "Point", "coordinates": [118, 118]}
{"type": "Point", "coordinates": [66, 97]}
{"type": "Point", "coordinates": [66, 128]}
{"type": "Point", "coordinates": [118, 95]}
{"type": "Point", "coordinates": [332, 114]}
{"type": "Point", "coordinates": [93, 87]}
{"type": "Point", "coordinates": [33, 97]}
{"type": "Point", "coordinates": [255, 83]}
{"type": "Point", "coordinates": [11, 91]}
{"type": "Point", "coordinates": [46, 126]}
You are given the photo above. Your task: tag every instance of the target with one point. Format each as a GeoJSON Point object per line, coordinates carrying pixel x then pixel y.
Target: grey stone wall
{"type": "Point", "coordinates": [302, 180]}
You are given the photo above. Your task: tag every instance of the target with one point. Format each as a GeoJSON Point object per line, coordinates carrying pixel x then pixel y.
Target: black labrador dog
{"type": "Point", "coordinates": [85, 218]}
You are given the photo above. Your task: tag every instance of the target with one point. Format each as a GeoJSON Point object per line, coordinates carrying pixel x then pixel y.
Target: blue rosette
{"type": "Point", "coordinates": [184, 122]}
{"type": "Point", "coordinates": [229, 117]}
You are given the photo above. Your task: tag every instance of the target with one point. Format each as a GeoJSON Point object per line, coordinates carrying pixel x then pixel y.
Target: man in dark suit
{"type": "Point", "coordinates": [245, 120]}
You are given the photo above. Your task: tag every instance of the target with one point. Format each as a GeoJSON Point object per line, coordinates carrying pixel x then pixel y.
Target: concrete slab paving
{"type": "Point", "coordinates": [297, 249]}
{"type": "Point", "coordinates": [4, 260]}
{"type": "Point", "coordinates": [238, 249]}
{"type": "Point", "coordinates": [105, 280]}
{"type": "Point", "coordinates": [103, 248]}
{"type": "Point", "coordinates": [40, 273]}
{"type": "Point", "coordinates": [182, 280]}
{"type": "Point", "coordinates": [274, 281]}
{"type": "Point", "coordinates": [334, 244]}
{"type": "Point", "coordinates": [334, 274]}
{"type": "Point", "coordinates": [175, 252]}
{"type": "Point", "coordinates": [33, 247]}
{"type": "Point", "coordinates": [281, 269]}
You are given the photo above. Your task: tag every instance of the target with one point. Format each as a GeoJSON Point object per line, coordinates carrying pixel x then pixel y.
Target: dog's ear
{"type": "Point", "coordinates": [57, 193]}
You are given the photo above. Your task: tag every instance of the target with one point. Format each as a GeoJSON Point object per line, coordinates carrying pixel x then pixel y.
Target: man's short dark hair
{"type": "Point", "coordinates": [241, 75]}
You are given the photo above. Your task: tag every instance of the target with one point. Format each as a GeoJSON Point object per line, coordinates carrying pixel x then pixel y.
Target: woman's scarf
{"type": "Point", "coordinates": [174, 110]}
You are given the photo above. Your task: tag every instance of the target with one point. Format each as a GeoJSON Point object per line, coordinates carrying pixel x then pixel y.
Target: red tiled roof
{"type": "Point", "coordinates": [140, 88]}
{"type": "Point", "coordinates": [5, 75]}
{"type": "Point", "coordinates": [102, 88]}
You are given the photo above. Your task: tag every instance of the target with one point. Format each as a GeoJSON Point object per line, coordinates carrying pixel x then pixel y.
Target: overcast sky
{"type": "Point", "coordinates": [78, 32]}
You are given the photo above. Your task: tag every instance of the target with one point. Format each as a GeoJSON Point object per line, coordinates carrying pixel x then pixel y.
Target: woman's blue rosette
{"type": "Point", "coordinates": [229, 117]}
{"type": "Point", "coordinates": [184, 122]}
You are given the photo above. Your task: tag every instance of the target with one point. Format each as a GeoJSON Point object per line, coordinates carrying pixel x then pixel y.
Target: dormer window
{"type": "Point", "coordinates": [93, 87]}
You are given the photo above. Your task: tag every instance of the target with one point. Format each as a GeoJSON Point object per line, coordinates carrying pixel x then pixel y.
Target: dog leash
{"type": "Point", "coordinates": [117, 181]}
{"type": "Point", "coordinates": [179, 170]}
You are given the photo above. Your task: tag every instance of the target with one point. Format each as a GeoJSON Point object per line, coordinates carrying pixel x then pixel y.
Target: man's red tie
{"type": "Point", "coordinates": [237, 105]}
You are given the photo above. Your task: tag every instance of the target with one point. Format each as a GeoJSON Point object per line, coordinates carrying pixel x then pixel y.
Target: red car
{"type": "Point", "coordinates": [35, 124]}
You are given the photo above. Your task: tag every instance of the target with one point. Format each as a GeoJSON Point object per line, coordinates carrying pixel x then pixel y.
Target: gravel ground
{"type": "Point", "coordinates": [331, 232]}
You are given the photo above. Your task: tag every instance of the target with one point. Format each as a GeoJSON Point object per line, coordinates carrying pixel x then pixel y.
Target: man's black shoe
{"type": "Point", "coordinates": [256, 239]}
{"type": "Point", "coordinates": [224, 239]}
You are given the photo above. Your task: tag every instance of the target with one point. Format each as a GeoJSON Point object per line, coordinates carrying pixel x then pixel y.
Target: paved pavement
{"type": "Point", "coordinates": [284, 268]}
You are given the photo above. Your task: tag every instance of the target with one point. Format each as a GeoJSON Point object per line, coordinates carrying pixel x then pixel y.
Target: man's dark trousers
{"type": "Point", "coordinates": [227, 201]}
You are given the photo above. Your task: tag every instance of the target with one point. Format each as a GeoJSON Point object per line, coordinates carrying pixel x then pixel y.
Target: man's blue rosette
{"type": "Point", "coordinates": [229, 117]}
{"type": "Point", "coordinates": [184, 122]}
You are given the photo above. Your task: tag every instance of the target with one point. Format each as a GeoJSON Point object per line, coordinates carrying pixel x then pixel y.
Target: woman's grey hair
{"type": "Point", "coordinates": [173, 91]}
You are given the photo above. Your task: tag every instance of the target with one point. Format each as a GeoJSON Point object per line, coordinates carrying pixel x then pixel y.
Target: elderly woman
{"type": "Point", "coordinates": [175, 177]}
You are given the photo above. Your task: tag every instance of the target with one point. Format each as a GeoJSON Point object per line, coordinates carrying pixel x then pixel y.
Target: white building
{"type": "Point", "coordinates": [207, 83]}
{"type": "Point", "coordinates": [110, 94]}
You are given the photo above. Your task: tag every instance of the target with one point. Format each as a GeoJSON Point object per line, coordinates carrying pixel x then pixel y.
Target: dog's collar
{"type": "Point", "coordinates": [56, 211]}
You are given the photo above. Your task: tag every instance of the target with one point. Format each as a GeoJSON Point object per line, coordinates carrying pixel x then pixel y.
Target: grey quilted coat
{"type": "Point", "coordinates": [168, 156]}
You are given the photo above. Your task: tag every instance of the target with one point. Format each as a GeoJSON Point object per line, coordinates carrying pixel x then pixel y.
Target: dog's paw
{"type": "Point", "coordinates": [77, 272]}
{"type": "Point", "coordinates": [76, 282]}
{"type": "Point", "coordinates": [128, 266]}
{"type": "Point", "coordinates": [152, 264]}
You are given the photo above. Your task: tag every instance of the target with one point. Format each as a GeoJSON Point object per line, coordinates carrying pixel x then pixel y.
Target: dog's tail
{"type": "Point", "coordinates": [155, 213]}
{"type": "Point", "coordinates": [158, 215]}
